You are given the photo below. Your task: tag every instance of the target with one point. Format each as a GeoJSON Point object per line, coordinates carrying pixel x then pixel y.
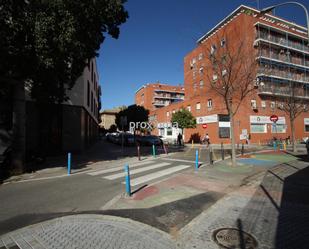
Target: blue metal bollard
{"type": "Point", "coordinates": [153, 150]}
{"type": "Point", "coordinates": [196, 159]}
{"type": "Point", "coordinates": [275, 145]}
{"type": "Point", "coordinates": [127, 176]}
{"type": "Point", "coordinates": [69, 164]}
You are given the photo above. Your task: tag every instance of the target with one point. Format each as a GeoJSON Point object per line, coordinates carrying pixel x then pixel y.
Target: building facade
{"type": "Point", "coordinates": [156, 95]}
{"type": "Point", "coordinates": [280, 52]}
{"type": "Point", "coordinates": [108, 118]}
{"type": "Point", "coordinates": [71, 126]}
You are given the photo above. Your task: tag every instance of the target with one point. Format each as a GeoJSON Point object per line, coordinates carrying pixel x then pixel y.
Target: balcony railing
{"type": "Point", "coordinates": [281, 60]}
{"type": "Point", "coordinates": [284, 91]}
{"type": "Point", "coordinates": [281, 40]}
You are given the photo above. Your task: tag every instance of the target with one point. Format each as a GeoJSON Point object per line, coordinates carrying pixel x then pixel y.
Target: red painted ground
{"type": "Point", "coordinates": [146, 192]}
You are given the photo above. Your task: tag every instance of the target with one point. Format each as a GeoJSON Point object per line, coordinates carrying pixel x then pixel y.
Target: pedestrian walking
{"type": "Point", "coordinates": [206, 139]}
{"type": "Point", "coordinates": [179, 139]}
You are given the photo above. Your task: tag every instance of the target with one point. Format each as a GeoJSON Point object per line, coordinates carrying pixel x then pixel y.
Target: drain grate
{"type": "Point", "coordinates": [232, 238]}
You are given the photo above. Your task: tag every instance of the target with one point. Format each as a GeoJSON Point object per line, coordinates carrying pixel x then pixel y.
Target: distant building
{"type": "Point", "coordinates": [156, 95]}
{"type": "Point", "coordinates": [108, 118]}
{"type": "Point", "coordinates": [280, 49]}
{"type": "Point", "coordinates": [72, 126]}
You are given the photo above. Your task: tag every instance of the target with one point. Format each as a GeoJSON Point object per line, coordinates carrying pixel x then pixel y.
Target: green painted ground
{"type": "Point", "coordinates": [281, 158]}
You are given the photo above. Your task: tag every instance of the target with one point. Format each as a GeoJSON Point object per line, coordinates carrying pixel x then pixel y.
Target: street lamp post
{"type": "Point", "coordinates": [270, 8]}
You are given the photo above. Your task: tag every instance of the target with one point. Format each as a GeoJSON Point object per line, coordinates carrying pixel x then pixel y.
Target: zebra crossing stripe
{"type": "Point", "coordinates": [104, 171]}
{"type": "Point", "coordinates": [156, 175]}
{"type": "Point", "coordinates": [136, 171]}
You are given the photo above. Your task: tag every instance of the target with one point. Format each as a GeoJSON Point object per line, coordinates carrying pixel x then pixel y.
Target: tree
{"type": "Point", "coordinates": [293, 105]}
{"type": "Point", "coordinates": [44, 47]}
{"type": "Point", "coordinates": [232, 74]}
{"type": "Point", "coordinates": [184, 119]}
{"type": "Point", "coordinates": [134, 114]}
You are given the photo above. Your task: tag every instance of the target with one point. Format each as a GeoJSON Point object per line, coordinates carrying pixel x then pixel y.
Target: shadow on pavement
{"type": "Point", "coordinates": [168, 217]}
{"type": "Point", "coordinates": [293, 220]}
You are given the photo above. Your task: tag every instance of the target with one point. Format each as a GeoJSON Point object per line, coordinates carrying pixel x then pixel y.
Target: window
{"type": "Point", "coordinates": [173, 111]}
{"type": "Point", "coordinates": [200, 56]}
{"type": "Point", "coordinates": [263, 104]}
{"type": "Point", "coordinates": [213, 49]}
{"type": "Point", "coordinates": [194, 74]}
{"type": "Point", "coordinates": [201, 70]}
{"type": "Point", "coordinates": [224, 72]}
{"type": "Point", "coordinates": [214, 77]}
{"type": "Point", "coordinates": [189, 108]}
{"type": "Point", "coordinates": [224, 132]}
{"type": "Point", "coordinates": [198, 106]}
{"type": "Point", "coordinates": [222, 43]}
{"type": "Point", "coordinates": [278, 128]}
{"type": "Point", "coordinates": [169, 131]}
{"type": "Point", "coordinates": [193, 60]}
{"type": "Point", "coordinates": [306, 127]}
{"type": "Point", "coordinates": [272, 105]}
{"type": "Point", "coordinates": [209, 103]}
{"type": "Point", "coordinates": [201, 84]}
{"type": "Point", "coordinates": [161, 132]}
{"type": "Point", "coordinates": [258, 128]}
{"type": "Point", "coordinates": [88, 93]}
{"type": "Point", "coordinates": [167, 114]}
{"type": "Point", "coordinates": [253, 104]}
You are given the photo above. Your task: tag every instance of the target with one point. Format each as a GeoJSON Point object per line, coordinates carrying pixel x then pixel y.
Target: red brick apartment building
{"type": "Point", "coordinates": [280, 53]}
{"type": "Point", "coordinates": [156, 95]}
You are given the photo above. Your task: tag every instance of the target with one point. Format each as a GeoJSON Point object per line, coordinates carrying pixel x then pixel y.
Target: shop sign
{"type": "Point", "coordinates": [265, 120]}
{"type": "Point", "coordinates": [207, 119]}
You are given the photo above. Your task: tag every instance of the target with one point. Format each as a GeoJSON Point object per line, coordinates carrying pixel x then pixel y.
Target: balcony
{"type": "Point", "coordinates": [280, 38]}
{"type": "Point", "coordinates": [160, 96]}
{"type": "Point", "coordinates": [270, 89]}
{"type": "Point", "coordinates": [263, 57]}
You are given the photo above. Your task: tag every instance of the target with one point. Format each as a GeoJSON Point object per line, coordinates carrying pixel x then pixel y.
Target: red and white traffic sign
{"type": "Point", "coordinates": [204, 126]}
{"type": "Point", "coordinates": [274, 118]}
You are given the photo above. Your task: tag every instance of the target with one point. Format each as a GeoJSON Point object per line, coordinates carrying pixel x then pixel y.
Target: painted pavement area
{"type": "Point", "coordinates": [261, 203]}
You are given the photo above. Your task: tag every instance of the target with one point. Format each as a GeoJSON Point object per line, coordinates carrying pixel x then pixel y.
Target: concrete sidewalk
{"type": "Point", "coordinates": [87, 231]}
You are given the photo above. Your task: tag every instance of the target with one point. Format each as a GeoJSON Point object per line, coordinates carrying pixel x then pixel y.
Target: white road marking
{"type": "Point", "coordinates": [158, 174]}
{"type": "Point", "coordinates": [136, 171]}
{"type": "Point", "coordinates": [104, 171]}
{"type": "Point", "coordinates": [181, 160]}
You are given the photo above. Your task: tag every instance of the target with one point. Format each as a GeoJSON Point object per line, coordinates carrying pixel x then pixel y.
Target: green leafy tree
{"type": "Point", "coordinates": [44, 47]}
{"type": "Point", "coordinates": [133, 113]}
{"type": "Point", "coordinates": [184, 119]}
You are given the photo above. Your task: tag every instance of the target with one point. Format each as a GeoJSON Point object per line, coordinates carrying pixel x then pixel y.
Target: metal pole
{"type": "Point", "coordinates": [242, 149]}
{"type": "Point", "coordinates": [69, 163]}
{"type": "Point", "coordinates": [138, 152]}
{"type": "Point", "coordinates": [222, 151]}
{"type": "Point", "coordinates": [196, 159]}
{"type": "Point", "coordinates": [128, 183]}
{"type": "Point", "coordinates": [210, 156]}
{"type": "Point", "coordinates": [153, 150]}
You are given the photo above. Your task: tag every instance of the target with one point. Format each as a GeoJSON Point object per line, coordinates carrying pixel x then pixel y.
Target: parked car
{"type": "Point", "coordinates": [149, 140]}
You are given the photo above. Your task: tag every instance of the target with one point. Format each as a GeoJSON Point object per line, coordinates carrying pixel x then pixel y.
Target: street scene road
{"type": "Point", "coordinates": [154, 124]}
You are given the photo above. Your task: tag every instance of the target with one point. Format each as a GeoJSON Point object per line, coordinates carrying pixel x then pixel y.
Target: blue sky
{"type": "Point", "coordinates": [157, 36]}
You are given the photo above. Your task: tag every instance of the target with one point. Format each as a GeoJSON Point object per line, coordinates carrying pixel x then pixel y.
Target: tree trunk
{"type": "Point", "coordinates": [19, 128]}
{"type": "Point", "coordinates": [293, 135]}
{"type": "Point", "coordinates": [232, 140]}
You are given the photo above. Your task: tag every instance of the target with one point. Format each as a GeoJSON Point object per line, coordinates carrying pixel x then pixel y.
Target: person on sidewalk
{"type": "Point", "coordinates": [179, 138]}
{"type": "Point", "coordinates": [206, 139]}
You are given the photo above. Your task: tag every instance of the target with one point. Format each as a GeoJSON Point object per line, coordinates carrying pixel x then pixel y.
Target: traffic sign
{"type": "Point", "coordinates": [204, 126]}
{"type": "Point", "coordinates": [274, 118]}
